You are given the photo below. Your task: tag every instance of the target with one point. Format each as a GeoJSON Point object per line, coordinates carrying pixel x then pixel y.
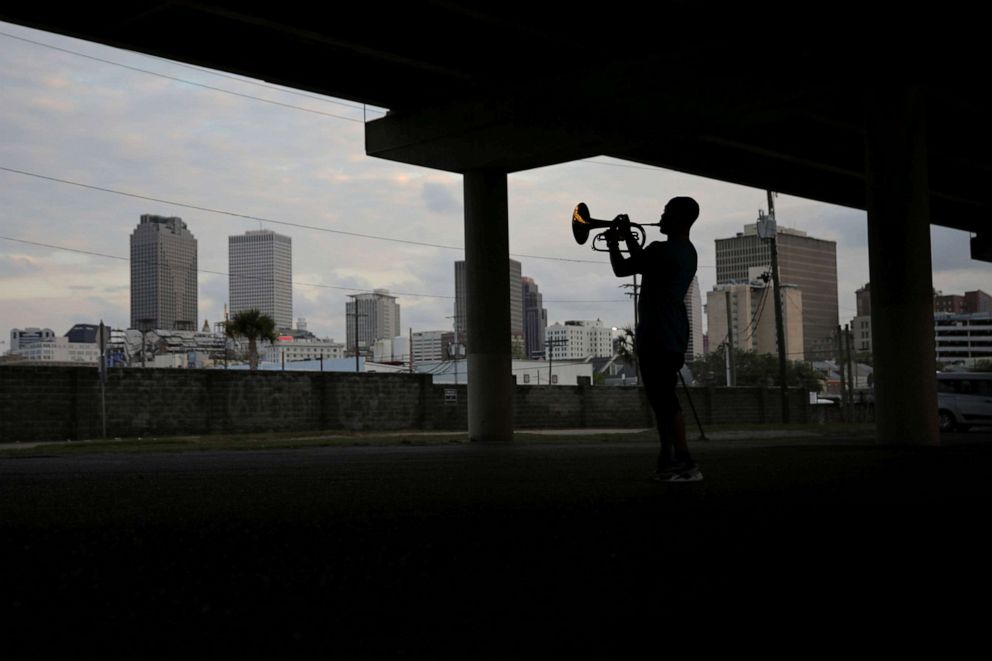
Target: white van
{"type": "Point", "coordinates": [964, 399]}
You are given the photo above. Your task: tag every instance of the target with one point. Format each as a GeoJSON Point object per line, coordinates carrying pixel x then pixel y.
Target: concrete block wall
{"type": "Point", "coordinates": [60, 403]}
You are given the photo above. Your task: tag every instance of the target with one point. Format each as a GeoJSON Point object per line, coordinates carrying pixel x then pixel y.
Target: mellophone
{"type": "Point", "coordinates": [583, 223]}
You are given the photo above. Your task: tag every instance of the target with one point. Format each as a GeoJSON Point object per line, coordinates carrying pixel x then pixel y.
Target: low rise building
{"type": "Point", "coordinates": [293, 349]}
{"type": "Point", "coordinates": [578, 340]}
{"type": "Point", "coordinates": [21, 338]}
{"type": "Point", "coordinates": [394, 350]}
{"type": "Point", "coordinates": [432, 346]}
{"type": "Point", "coordinates": [963, 339]}
{"type": "Point", "coordinates": [61, 350]}
{"type": "Point", "coordinates": [525, 372]}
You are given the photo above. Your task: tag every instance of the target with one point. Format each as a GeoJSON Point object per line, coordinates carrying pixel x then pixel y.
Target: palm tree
{"type": "Point", "coordinates": [253, 325]}
{"type": "Point", "coordinates": [627, 350]}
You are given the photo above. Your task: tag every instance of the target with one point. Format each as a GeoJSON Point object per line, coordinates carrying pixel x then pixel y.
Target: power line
{"type": "Point", "coordinates": [209, 272]}
{"type": "Point", "coordinates": [630, 166]}
{"type": "Point", "coordinates": [182, 80]}
{"type": "Point", "coordinates": [257, 83]}
{"type": "Point", "coordinates": [759, 308]}
{"type": "Point", "coordinates": [272, 221]}
{"type": "Point", "coordinates": [248, 277]}
{"type": "Point", "coordinates": [251, 82]}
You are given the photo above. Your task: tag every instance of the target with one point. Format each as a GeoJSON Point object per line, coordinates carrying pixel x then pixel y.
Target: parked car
{"type": "Point", "coordinates": [964, 399]}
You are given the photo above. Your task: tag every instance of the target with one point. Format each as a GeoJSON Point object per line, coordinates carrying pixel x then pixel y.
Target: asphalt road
{"type": "Point", "coordinates": [489, 551]}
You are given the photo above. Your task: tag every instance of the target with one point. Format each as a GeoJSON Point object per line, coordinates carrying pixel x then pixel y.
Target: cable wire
{"type": "Point", "coordinates": [294, 283]}
{"type": "Point", "coordinates": [273, 221]}
{"type": "Point", "coordinates": [182, 80]}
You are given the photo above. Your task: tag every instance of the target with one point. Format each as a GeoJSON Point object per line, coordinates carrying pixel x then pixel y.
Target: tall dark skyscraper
{"type": "Point", "coordinates": [535, 318]}
{"type": "Point", "coordinates": [163, 275]}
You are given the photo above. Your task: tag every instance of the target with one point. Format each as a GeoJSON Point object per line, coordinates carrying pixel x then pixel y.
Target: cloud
{"type": "Point", "coordinates": [13, 266]}
{"type": "Point", "coordinates": [439, 199]}
{"type": "Point", "coordinates": [946, 248]}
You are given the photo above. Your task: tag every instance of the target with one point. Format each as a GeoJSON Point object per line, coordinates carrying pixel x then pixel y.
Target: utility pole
{"type": "Point", "coordinates": [731, 376]}
{"type": "Point", "coordinates": [768, 230]}
{"type": "Point", "coordinates": [354, 298]}
{"type": "Point", "coordinates": [851, 365]}
{"type": "Point", "coordinates": [103, 378]}
{"type": "Point", "coordinates": [635, 290]}
{"type": "Point", "coordinates": [840, 366]}
{"type": "Point", "coordinates": [551, 344]}
{"type": "Point", "coordinates": [145, 325]}
{"type": "Point", "coordinates": [455, 348]}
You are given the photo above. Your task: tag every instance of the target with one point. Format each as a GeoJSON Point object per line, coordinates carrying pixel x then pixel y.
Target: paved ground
{"type": "Point", "coordinates": [487, 551]}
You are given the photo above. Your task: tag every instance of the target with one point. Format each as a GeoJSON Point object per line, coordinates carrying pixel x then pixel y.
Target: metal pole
{"type": "Point", "coordinates": [103, 380]}
{"type": "Point", "coordinates": [702, 434]}
{"type": "Point", "coordinates": [731, 377]}
{"type": "Point", "coordinates": [637, 361]}
{"type": "Point", "coordinates": [850, 369]}
{"type": "Point", "coordinates": [840, 366]}
{"type": "Point", "coordinates": [355, 304]}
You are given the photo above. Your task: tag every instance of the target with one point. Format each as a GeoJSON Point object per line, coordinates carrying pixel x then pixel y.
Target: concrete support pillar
{"type": "Point", "coordinates": [487, 275]}
{"type": "Point", "coordinates": [900, 267]}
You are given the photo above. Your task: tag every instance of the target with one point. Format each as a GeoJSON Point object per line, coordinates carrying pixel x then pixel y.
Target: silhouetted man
{"type": "Point", "coordinates": [662, 334]}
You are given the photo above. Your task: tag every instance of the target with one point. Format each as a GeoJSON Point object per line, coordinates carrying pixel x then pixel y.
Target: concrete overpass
{"type": "Point", "coordinates": [837, 107]}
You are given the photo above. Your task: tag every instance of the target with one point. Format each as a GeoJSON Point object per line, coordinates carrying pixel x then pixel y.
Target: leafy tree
{"type": "Point", "coordinates": [754, 369]}
{"type": "Point", "coordinates": [253, 326]}
{"type": "Point", "coordinates": [982, 366]}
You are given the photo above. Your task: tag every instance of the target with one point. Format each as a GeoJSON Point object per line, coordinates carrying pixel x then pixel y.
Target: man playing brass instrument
{"type": "Point", "coordinates": [662, 334]}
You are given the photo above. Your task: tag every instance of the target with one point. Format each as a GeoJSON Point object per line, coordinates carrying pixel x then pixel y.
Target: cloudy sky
{"type": "Point", "coordinates": [176, 140]}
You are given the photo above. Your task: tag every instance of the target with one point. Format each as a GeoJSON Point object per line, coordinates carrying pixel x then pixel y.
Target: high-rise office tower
{"type": "Point", "coordinates": [516, 304]}
{"type": "Point", "coordinates": [535, 318]}
{"type": "Point", "coordinates": [378, 319]}
{"type": "Point", "coordinates": [261, 274]}
{"type": "Point", "coordinates": [694, 309]}
{"type": "Point", "coordinates": [163, 275]}
{"type": "Point", "coordinates": [806, 262]}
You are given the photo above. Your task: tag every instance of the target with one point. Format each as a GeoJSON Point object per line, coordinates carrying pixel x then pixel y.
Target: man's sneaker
{"type": "Point", "coordinates": [681, 473]}
{"type": "Point", "coordinates": [665, 474]}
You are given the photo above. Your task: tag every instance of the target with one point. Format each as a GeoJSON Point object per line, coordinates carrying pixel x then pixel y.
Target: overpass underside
{"type": "Point", "coordinates": [842, 110]}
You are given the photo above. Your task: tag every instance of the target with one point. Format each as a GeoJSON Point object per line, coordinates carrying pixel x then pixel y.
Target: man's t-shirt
{"type": "Point", "coordinates": [668, 268]}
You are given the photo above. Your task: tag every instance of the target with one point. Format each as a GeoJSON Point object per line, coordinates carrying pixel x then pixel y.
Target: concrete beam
{"type": "Point", "coordinates": [484, 134]}
{"type": "Point", "coordinates": [900, 268]}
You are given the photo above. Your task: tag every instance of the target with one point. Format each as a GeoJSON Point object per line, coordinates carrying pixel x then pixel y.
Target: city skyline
{"type": "Point", "coordinates": [101, 125]}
